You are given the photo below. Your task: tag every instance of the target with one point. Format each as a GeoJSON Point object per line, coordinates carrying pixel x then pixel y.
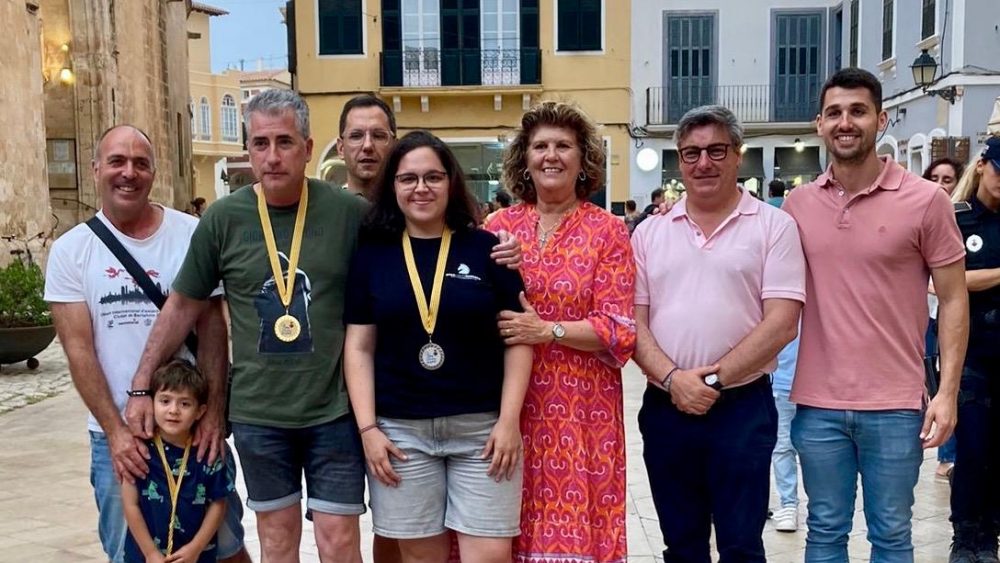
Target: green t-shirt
{"type": "Point", "coordinates": [285, 385]}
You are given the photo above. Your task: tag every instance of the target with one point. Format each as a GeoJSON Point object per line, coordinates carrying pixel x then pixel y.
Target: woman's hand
{"type": "Point", "coordinates": [524, 328]}
{"type": "Point", "coordinates": [378, 448]}
{"type": "Point", "coordinates": [504, 444]}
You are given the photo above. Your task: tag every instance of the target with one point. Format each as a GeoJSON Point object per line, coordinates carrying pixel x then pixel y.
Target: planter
{"type": "Point", "coordinates": [20, 344]}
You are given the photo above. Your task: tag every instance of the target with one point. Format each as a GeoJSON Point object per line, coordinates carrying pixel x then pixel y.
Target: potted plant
{"type": "Point", "coordinates": [25, 320]}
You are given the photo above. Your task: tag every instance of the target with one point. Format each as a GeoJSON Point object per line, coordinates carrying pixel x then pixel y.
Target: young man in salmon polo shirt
{"type": "Point", "coordinates": [720, 283]}
{"type": "Point", "coordinates": [872, 234]}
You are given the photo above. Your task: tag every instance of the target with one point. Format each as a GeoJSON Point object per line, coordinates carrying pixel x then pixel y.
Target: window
{"type": "Point", "coordinates": [887, 31]}
{"type": "Point", "coordinates": [340, 31]}
{"type": "Point", "coordinates": [798, 72]}
{"type": "Point", "coordinates": [205, 120]}
{"type": "Point", "coordinates": [501, 43]}
{"type": "Point", "coordinates": [230, 128]}
{"type": "Point", "coordinates": [927, 18]}
{"type": "Point", "coordinates": [421, 42]}
{"type": "Point", "coordinates": [689, 52]}
{"type": "Point", "coordinates": [580, 25]}
{"type": "Point", "coordinates": [853, 55]}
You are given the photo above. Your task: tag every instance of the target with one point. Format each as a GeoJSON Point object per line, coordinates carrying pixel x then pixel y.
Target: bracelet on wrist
{"type": "Point", "coordinates": [367, 428]}
{"type": "Point", "coordinates": [668, 379]}
{"type": "Point", "coordinates": [139, 393]}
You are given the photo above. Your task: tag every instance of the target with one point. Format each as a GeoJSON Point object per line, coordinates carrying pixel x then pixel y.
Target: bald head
{"type": "Point", "coordinates": [118, 131]}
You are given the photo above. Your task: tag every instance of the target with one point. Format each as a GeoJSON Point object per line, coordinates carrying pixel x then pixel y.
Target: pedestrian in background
{"type": "Point", "coordinates": [975, 490]}
{"type": "Point", "coordinates": [579, 279]}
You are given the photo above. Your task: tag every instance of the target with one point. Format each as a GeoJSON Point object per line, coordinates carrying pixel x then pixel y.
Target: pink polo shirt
{"type": "Point", "coordinates": [706, 294]}
{"type": "Point", "coordinates": [869, 261]}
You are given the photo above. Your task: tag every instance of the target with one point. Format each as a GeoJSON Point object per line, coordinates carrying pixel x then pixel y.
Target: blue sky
{"type": "Point", "coordinates": [251, 31]}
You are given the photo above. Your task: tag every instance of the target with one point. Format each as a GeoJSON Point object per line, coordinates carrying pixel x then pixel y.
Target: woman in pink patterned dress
{"type": "Point", "coordinates": [579, 280]}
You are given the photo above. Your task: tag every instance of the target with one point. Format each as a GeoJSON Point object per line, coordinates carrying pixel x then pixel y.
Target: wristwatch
{"type": "Point", "coordinates": [558, 331]}
{"type": "Point", "coordinates": [139, 393]}
{"type": "Point", "coordinates": [712, 380]}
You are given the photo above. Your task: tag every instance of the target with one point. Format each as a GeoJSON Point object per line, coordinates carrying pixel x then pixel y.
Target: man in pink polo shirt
{"type": "Point", "coordinates": [872, 233]}
{"type": "Point", "coordinates": [719, 286]}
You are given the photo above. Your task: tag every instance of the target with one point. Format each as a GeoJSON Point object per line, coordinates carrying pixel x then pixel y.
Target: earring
{"type": "Point", "coordinates": [526, 175]}
{"type": "Point", "coordinates": [582, 176]}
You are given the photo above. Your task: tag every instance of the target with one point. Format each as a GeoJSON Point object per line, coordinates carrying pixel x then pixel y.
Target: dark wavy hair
{"type": "Point", "coordinates": [563, 115]}
{"type": "Point", "coordinates": [957, 166]}
{"type": "Point", "coordinates": [385, 219]}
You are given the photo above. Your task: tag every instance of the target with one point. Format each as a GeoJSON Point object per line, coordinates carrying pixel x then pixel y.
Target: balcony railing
{"type": "Point", "coordinates": [432, 67]}
{"type": "Point", "coordinates": [752, 103]}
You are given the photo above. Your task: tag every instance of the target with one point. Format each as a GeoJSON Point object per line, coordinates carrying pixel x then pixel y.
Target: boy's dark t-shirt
{"type": "Point", "coordinates": [475, 290]}
{"type": "Point", "coordinates": [202, 485]}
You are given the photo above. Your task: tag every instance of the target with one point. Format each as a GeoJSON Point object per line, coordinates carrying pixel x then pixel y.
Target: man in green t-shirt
{"type": "Point", "coordinates": [282, 249]}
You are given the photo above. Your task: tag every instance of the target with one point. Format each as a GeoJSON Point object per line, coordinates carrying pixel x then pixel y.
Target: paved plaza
{"type": "Point", "coordinates": [47, 509]}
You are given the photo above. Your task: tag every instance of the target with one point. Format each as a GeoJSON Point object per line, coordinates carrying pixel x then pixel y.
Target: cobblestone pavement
{"type": "Point", "coordinates": [47, 509]}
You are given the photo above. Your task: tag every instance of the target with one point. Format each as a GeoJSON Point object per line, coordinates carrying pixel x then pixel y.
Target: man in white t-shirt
{"type": "Point", "coordinates": [104, 318]}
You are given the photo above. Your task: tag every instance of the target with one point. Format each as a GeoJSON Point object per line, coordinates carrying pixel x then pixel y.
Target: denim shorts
{"type": "Point", "coordinates": [329, 454]}
{"type": "Point", "coordinates": [111, 516]}
{"type": "Point", "coordinates": [443, 483]}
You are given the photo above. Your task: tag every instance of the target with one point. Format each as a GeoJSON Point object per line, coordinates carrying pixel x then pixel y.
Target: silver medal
{"type": "Point", "coordinates": [431, 356]}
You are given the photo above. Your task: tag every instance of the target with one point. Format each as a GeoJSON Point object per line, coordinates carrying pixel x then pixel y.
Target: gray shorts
{"type": "Point", "coordinates": [444, 485]}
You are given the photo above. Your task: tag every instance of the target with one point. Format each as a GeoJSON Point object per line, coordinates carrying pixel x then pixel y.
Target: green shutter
{"type": "Point", "coordinates": [340, 30]}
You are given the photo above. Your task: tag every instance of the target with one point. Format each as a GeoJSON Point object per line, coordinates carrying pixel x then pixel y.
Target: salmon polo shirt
{"type": "Point", "coordinates": [705, 292]}
{"type": "Point", "coordinates": [869, 258]}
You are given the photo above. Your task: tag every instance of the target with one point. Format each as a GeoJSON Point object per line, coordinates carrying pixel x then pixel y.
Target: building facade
{"type": "Point", "coordinates": [215, 108]}
{"type": "Point", "coordinates": [764, 59]}
{"type": "Point", "coordinates": [465, 70]}
{"type": "Point", "coordinates": [962, 37]}
{"type": "Point", "coordinates": [71, 70]}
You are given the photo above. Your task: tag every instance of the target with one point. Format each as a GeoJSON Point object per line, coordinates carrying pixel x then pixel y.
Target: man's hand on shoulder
{"type": "Point", "coordinates": [688, 390]}
{"type": "Point", "coordinates": [508, 252]}
{"type": "Point", "coordinates": [139, 416]}
{"type": "Point", "coordinates": [208, 436]}
{"type": "Point", "coordinates": [128, 455]}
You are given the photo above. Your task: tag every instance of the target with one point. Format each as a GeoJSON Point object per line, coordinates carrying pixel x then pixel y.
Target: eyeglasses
{"type": "Point", "coordinates": [432, 179]}
{"type": "Point", "coordinates": [718, 151]}
{"type": "Point", "coordinates": [356, 137]}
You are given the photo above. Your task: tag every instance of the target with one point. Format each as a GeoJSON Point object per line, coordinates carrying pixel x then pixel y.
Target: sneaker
{"type": "Point", "coordinates": [961, 554]}
{"type": "Point", "coordinates": [786, 519]}
{"type": "Point", "coordinates": [986, 549]}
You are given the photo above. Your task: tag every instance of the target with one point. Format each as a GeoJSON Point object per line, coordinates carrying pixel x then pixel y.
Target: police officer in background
{"type": "Point", "coordinates": [975, 493]}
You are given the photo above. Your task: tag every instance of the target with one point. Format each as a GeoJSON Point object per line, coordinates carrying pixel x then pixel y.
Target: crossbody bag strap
{"type": "Point", "coordinates": [136, 271]}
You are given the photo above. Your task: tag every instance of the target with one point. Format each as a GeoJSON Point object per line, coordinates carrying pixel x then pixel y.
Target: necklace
{"type": "Point", "coordinates": [543, 236]}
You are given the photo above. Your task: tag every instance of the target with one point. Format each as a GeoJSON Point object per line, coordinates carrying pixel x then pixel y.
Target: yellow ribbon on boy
{"type": "Point", "coordinates": [173, 485]}
{"type": "Point", "coordinates": [287, 328]}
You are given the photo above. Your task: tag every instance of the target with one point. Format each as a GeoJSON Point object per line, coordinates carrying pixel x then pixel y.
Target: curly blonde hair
{"type": "Point", "coordinates": [566, 116]}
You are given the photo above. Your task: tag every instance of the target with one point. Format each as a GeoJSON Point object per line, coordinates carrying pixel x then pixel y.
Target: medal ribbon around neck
{"type": "Point", "coordinates": [287, 327]}
{"type": "Point", "coordinates": [428, 311]}
{"type": "Point", "coordinates": [173, 485]}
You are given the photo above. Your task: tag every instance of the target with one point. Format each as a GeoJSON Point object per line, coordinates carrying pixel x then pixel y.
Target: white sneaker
{"type": "Point", "coordinates": [786, 519]}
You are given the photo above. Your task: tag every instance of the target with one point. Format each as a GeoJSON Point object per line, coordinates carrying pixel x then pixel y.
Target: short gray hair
{"type": "Point", "coordinates": [275, 101]}
{"type": "Point", "coordinates": [710, 115]}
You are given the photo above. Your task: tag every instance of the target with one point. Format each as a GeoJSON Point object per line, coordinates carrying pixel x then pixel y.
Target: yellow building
{"type": "Point", "coordinates": [466, 71]}
{"type": "Point", "coordinates": [216, 120]}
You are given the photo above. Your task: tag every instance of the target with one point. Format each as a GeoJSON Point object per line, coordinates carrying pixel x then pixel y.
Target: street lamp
{"type": "Point", "coordinates": [924, 70]}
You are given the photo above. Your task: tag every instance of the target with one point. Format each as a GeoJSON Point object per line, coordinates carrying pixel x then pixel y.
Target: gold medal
{"type": "Point", "coordinates": [431, 355]}
{"type": "Point", "coordinates": [174, 485]}
{"type": "Point", "coordinates": [287, 328]}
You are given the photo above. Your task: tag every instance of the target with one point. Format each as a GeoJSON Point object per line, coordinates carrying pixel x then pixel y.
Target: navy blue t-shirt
{"type": "Point", "coordinates": [475, 289]}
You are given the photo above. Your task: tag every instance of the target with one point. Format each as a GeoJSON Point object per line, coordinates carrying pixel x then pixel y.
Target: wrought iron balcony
{"type": "Point", "coordinates": [791, 102]}
{"type": "Point", "coordinates": [432, 67]}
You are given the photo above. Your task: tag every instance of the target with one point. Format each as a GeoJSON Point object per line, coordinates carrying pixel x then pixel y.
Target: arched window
{"type": "Point", "coordinates": [230, 129]}
{"type": "Point", "coordinates": [205, 120]}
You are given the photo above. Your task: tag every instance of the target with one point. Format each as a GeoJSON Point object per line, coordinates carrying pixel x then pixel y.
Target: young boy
{"type": "Point", "coordinates": [191, 494]}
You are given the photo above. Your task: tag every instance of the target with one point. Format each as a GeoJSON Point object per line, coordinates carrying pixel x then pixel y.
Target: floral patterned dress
{"type": "Point", "coordinates": [573, 508]}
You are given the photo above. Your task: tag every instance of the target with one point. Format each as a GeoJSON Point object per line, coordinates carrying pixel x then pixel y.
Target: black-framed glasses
{"type": "Point", "coordinates": [716, 152]}
{"type": "Point", "coordinates": [356, 137]}
{"type": "Point", "coordinates": [432, 179]}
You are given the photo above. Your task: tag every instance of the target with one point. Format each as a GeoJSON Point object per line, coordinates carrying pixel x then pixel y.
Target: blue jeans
{"type": "Point", "coordinates": [111, 526]}
{"type": "Point", "coordinates": [834, 447]}
{"type": "Point", "coordinates": [784, 459]}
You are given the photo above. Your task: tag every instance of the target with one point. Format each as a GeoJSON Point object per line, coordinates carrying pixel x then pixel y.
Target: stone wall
{"type": "Point", "coordinates": [24, 209]}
